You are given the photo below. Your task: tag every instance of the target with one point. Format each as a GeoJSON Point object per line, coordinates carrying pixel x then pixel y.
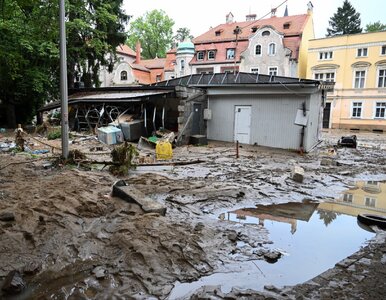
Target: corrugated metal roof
{"type": "Point", "coordinates": [100, 96]}
{"type": "Point", "coordinates": [114, 95]}
{"type": "Point", "coordinates": [221, 79]}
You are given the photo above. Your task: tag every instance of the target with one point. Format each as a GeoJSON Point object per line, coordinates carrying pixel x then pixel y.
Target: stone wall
{"type": "Point", "coordinates": [189, 96]}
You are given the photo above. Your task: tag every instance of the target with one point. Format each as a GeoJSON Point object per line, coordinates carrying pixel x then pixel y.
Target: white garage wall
{"type": "Point", "coordinates": [272, 122]}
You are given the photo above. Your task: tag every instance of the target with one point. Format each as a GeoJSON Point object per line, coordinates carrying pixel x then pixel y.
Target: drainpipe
{"type": "Point", "coordinates": [163, 117]}
{"type": "Point", "coordinates": [145, 119]}
{"type": "Point", "coordinates": [155, 111]}
{"type": "Point", "coordinates": [302, 134]}
{"type": "Point", "coordinates": [302, 140]}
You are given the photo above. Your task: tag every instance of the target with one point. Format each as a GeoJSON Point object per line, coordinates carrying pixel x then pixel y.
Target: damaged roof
{"type": "Point", "coordinates": [116, 95]}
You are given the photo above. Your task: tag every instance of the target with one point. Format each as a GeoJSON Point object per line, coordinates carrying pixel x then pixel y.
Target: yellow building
{"type": "Point", "coordinates": [357, 64]}
{"type": "Point", "coordinates": [366, 197]}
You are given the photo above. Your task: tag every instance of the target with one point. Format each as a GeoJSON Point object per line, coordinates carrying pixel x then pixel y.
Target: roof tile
{"type": "Point", "coordinates": [124, 49]}
{"type": "Point", "coordinates": [296, 22]}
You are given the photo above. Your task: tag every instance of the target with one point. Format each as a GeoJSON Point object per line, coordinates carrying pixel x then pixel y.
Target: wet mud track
{"type": "Point", "coordinates": [70, 239]}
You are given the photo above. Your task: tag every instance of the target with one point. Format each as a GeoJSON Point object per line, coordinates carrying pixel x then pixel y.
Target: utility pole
{"type": "Point", "coordinates": [236, 31]}
{"type": "Point", "coordinates": [63, 79]}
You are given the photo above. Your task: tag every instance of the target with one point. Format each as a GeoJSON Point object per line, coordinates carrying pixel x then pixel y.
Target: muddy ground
{"type": "Point", "coordinates": [65, 234]}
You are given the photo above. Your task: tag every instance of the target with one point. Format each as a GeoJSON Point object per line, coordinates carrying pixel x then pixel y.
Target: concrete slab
{"type": "Point", "coordinates": [133, 195]}
{"type": "Point", "coordinates": [297, 174]}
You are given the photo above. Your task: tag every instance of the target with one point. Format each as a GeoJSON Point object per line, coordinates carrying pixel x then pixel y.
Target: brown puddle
{"type": "Point", "coordinates": [312, 237]}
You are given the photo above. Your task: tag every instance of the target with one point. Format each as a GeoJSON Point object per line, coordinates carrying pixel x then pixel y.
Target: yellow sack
{"type": "Point", "coordinates": [163, 150]}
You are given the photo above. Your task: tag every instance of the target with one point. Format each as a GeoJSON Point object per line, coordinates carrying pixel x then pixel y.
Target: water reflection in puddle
{"type": "Point", "coordinates": [313, 238]}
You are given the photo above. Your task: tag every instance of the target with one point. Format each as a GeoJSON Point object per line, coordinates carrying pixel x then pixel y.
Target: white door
{"type": "Point", "coordinates": [243, 124]}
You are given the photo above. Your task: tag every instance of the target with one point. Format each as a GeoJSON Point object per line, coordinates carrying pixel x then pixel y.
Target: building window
{"type": "Point", "coordinates": [347, 198]}
{"type": "Point", "coordinates": [158, 78]}
{"type": "Point", "coordinates": [325, 55]}
{"type": "Point", "coordinates": [330, 76]}
{"type": "Point", "coordinates": [211, 55]}
{"type": "Point", "coordinates": [200, 55]}
{"type": "Point", "coordinates": [369, 201]}
{"type": "Point", "coordinates": [204, 71]}
{"type": "Point", "coordinates": [380, 108]}
{"type": "Point", "coordinates": [318, 76]}
{"type": "Point", "coordinates": [272, 71]}
{"type": "Point", "coordinates": [231, 53]}
{"type": "Point", "coordinates": [272, 49]}
{"type": "Point", "coordinates": [258, 50]}
{"type": "Point", "coordinates": [382, 78]}
{"type": "Point", "coordinates": [359, 82]}
{"type": "Point", "coordinates": [123, 75]}
{"type": "Point", "coordinates": [372, 182]}
{"type": "Point", "coordinates": [361, 52]}
{"type": "Point", "coordinates": [229, 69]}
{"type": "Point", "coordinates": [356, 110]}
{"type": "Point", "coordinates": [266, 33]}
{"type": "Point", "coordinates": [182, 64]}
{"type": "Point", "coordinates": [255, 70]}
{"type": "Point", "coordinates": [383, 50]}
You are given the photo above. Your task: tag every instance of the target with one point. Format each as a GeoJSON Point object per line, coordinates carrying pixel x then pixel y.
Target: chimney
{"type": "Point", "coordinates": [250, 17]}
{"type": "Point", "coordinates": [138, 53]}
{"type": "Point", "coordinates": [229, 18]}
{"type": "Point", "coordinates": [310, 8]}
{"type": "Point", "coordinates": [273, 12]}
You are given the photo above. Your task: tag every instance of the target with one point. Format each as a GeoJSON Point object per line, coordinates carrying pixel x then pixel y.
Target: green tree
{"type": "Point", "coordinates": [29, 58]}
{"type": "Point", "coordinates": [345, 21]}
{"type": "Point", "coordinates": [94, 29]}
{"type": "Point", "coordinates": [29, 50]}
{"type": "Point", "coordinates": [327, 216]}
{"type": "Point", "coordinates": [374, 27]}
{"type": "Point", "coordinates": [182, 34]}
{"type": "Point", "coordinates": [154, 31]}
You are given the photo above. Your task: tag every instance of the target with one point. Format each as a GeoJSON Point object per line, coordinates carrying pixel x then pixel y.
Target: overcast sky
{"type": "Point", "coordinates": [200, 15]}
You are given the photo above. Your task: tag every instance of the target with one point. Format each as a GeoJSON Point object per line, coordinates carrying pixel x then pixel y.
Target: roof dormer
{"type": "Point", "coordinates": [218, 32]}
{"type": "Point", "coordinates": [254, 28]}
{"type": "Point", "coordinates": [287, 25]}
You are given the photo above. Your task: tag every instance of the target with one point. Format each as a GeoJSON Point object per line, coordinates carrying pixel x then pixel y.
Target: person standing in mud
{"type": "Point", "coordinates": [19, 137]}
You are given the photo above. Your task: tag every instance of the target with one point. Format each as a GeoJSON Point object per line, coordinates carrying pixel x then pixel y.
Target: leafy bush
{"type": "Point", "coordinates": [123, 156]}
{"type": "Point", "coordinates": [54, 134]}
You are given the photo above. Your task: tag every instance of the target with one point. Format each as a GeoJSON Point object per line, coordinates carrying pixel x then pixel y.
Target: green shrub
{"type": "Point", "coordinates": [54, 134]}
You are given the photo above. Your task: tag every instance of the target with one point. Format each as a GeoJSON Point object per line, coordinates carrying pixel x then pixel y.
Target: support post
{"type": "Point", "coordinates": [63, 79]}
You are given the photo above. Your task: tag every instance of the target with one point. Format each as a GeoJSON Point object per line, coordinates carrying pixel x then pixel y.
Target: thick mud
{"type": "Point", "coordinates": [70, 239]}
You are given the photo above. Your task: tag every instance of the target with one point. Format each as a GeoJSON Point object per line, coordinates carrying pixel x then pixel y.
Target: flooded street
{"type": "Point", "coordinates": [238, 224]}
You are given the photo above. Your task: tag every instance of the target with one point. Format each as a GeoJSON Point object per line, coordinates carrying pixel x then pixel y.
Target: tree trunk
{"type": "Point", "coordinates": [39, 118]}
{"type": "Point", "coordinates": [11, 115]}
{"type": "Point", "coordinates": [70, 75]}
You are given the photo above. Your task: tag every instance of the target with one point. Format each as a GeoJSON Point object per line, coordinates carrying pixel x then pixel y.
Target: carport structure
{"type": "Point", "coordinates": [96, 107]}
